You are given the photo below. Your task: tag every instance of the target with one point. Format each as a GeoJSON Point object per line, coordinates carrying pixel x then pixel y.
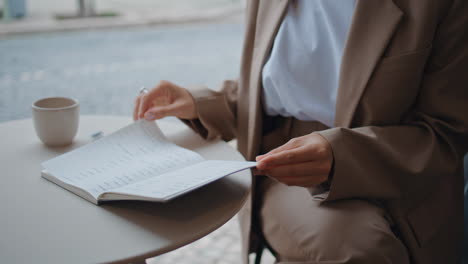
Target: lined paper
{"type": "Point", "coordinates": [134, 153]}
{"type": "Point", "coordinates": [170, 184]}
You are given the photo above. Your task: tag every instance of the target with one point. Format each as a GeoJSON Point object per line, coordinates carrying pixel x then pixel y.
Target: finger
{"type": "Point", "coordinates": [304, 181]}
{"type": "Point", "coordinates": [289, 156]}
{"type": "Point", "coordinates": [136, 108]}
{"type": "Point", "coordinates": [293, 143]}
{"type": "Point", "coordinates": [158, 96]}
{"type": "Point", "coordinates": [153, 98]}
{"type": "Point", "coordinates": [276, 150]}
{"type": "Point", "coordinates": [298, 170]}
{"type": "Point", "coordinates": [261, 157]}
{"type": "Point", "coordinates": [143, 99]}
{"type": "Point", "coordinates": [159, 112]}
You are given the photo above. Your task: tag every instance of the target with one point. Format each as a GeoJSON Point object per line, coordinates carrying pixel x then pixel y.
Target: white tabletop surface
{"type": "Point", "coordinates": [42, 223]}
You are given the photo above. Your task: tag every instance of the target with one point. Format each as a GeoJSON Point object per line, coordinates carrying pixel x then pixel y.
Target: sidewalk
{"type": "Point", "coordinates": [41, 14]}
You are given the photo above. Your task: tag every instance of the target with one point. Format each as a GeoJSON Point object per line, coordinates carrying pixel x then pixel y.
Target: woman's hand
{"type": "Point", "coordinates": [304, 161]}
{"type": "Point", "coordinates": [166, 99]}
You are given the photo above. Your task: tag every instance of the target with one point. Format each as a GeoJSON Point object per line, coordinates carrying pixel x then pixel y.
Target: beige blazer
{"type": "Point", "coordinates": [401, 126]}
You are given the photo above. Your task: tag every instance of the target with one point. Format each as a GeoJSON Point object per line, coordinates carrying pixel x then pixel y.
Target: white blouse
{"type": "Point", "coordinates": [300, 78]}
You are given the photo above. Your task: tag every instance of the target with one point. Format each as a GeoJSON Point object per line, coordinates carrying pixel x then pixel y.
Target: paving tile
{"type": "Point", "coordinates": [223, 246]}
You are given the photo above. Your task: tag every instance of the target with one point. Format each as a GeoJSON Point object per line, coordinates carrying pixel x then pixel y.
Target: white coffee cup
{"type": "Point", "coordinates": [56, 120]}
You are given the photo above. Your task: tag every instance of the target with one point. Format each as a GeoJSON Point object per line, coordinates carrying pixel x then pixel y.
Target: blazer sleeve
{"type": "Point", "coordinates": [216, 111]}
{"type": "Point", "coordinates": [410, 159]}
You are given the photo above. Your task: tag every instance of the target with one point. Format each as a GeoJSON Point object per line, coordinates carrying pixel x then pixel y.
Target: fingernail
{"type": "Point", "coordinates": [149, 116]}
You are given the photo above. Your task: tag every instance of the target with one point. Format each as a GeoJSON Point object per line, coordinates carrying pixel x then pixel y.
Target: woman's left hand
{"type": "Point", "coordinates": [303, 161]}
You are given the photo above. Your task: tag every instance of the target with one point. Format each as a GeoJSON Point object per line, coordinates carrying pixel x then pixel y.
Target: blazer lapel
{"type": "Point", "coordinates": [372, 27]}
{"type": "Point", "coordinates": [269, 18]}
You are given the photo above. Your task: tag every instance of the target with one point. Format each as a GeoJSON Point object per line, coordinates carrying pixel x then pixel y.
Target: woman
{"type": "Point", "coordinates": [356, 114]}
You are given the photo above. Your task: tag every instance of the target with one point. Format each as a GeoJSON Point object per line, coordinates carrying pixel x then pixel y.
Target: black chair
{"type": "Point", "coordinates": [465, 213]}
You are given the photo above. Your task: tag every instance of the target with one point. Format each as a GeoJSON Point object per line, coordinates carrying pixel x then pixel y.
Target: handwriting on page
{"type": "Point", "coordinates": [133, 153]}
{"type": "Point", "coordinates": [185, 179]}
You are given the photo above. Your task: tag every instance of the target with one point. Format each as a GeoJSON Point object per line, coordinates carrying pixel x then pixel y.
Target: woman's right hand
{"type": "Point", "coordinates": [166, 99]}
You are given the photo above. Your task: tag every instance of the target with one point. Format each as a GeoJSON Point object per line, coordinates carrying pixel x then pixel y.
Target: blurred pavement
{"type": "Point", "coordinates": [41, 14]}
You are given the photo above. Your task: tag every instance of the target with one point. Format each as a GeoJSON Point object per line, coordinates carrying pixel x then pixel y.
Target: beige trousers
{"type": "Point", "coordinates": [299, 228]}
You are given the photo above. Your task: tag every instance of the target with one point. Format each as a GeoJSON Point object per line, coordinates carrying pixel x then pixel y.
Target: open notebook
{"type": "Point", "coordinates": [135, 163]}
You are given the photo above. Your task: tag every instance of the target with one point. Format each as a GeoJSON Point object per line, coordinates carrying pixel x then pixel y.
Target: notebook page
{"type": "Point", "coordinates": [177, 182]}
{"type": "Point", "coordinates": [134, 153]}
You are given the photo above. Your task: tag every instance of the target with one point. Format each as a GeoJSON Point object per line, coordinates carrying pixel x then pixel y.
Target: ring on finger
{"type": "Point", "coordinates": [143, 90]}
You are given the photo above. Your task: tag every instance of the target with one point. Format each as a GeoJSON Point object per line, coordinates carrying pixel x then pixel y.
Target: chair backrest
{"type": "Point", "coordinates": [465, 242]}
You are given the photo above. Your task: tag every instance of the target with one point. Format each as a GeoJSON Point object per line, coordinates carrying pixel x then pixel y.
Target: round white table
{"type": "Point", "coordinates": [41, 222]}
